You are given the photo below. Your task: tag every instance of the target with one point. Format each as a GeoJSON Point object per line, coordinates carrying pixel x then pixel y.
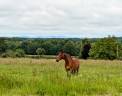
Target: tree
{"type": "Point", "coordinates": [85, 51]}
{"type": "Point", "coordinates": [12, 45]}
{"type": "Point", "coordinates": [119, 50]}
{"type": "Point", "coordinates": [29, 47]}
{"type": "Point", "coordinates": [40, 51]}
{"type": "Point", "coordinates": [70, 48]}
{"type": "Point", "coordinates": [48, 45]}
{"type": "Point", "coordinates": [85, 48]}
{"type": "Point", "coordinates": [2, 46]}
{"type": "Point", "coordinates": [105, 48]}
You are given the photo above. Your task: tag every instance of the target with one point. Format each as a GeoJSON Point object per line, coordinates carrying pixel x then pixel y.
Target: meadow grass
{"type": "Point", "coordinates": [45, 77]}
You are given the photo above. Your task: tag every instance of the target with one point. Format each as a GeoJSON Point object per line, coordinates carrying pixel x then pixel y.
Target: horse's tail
{"type": "Point", "coordinates": [78, 66]}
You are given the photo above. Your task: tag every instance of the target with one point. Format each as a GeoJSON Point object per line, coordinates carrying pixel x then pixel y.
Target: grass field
{"type": "Point", "coordinates": [45, 77]}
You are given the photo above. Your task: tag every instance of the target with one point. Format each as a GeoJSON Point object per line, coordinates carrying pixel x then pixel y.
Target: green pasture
{"type": "Point", "coordinates": [45, 77]}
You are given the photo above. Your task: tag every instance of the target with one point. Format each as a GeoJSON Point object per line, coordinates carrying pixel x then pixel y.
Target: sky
{"type": "Point", "coordinates": [60, 18]}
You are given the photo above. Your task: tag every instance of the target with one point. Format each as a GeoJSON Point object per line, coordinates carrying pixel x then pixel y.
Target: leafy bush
{"type": "Point", "coordinates": [13, 54]}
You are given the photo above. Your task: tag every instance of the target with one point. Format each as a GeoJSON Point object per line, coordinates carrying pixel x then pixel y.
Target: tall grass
{"type": "Point", "coordinates": [45, 77]}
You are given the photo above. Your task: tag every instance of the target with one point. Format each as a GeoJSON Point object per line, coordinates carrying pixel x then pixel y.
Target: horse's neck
{"type": "Point", "coordinates": [68, 60]}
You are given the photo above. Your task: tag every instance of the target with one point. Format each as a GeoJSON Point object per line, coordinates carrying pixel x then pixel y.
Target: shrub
{"type": "Point", "coordinates": [4, 55]}
{"type": "Point", "coordinates": [40, 51]}
{"type": "Point", "coordinates": [19, 53]}
{"type": "Point", "coordinates": [10, 53]}
{"type": "Point", "coordinates": [13, 54]}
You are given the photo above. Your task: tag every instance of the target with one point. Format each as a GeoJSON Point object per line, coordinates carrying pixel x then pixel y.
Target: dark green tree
{"type": "Point", "coordinates": [29, 47]}
{"type": "Point", "coordinates": [2, 46]}
{"type": "Point", "coordinates": [70, 48]}
{"type": "Point", "coordinates": [85, 48]}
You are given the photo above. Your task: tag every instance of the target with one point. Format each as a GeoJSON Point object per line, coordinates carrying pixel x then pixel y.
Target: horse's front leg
{"type": "Point", "coordinates": [68, 71]}
{"type": "Point", "coordinates": [73, 71]}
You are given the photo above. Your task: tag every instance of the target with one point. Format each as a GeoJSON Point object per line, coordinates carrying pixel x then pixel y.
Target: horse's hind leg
{"type": "Point", "coordinates": [73, 72]}
{"type": "Point", "coordinates": [68, 74]}
{"type": "Point", "coordinates": [77, 71]}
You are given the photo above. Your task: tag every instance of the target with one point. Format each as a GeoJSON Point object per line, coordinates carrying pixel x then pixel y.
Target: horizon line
{"type": "Point", "coordinates": [56, 37]}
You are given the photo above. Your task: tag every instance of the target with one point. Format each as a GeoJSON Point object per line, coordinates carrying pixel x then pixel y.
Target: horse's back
{"type": "Point", "coordinates": [75, 60]}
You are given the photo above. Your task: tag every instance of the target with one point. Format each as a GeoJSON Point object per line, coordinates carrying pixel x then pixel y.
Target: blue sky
{"type": "Point", "coordinates": [60, 18]}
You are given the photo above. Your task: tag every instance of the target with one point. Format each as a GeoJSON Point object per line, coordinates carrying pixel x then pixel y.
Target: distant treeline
{"type": "Point", "coordinates": [104, 48]}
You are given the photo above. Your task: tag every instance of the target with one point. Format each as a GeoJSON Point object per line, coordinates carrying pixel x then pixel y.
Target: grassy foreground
{"type": "Point", "coordinates": [45, 77]}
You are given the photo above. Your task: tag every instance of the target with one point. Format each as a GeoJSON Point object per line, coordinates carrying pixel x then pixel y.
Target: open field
{"type": "Point", "coordinates": [45, 77]}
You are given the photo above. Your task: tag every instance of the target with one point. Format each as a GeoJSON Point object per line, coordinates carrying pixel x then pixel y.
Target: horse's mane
{"type": "Point", "coordinates": [68, 55]}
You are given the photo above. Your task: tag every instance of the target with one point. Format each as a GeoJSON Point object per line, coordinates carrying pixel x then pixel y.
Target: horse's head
{"type": "Point", "coordinates": [60, 56]}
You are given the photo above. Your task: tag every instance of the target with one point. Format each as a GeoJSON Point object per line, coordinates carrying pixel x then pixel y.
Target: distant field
{"type": "Point", "coordinates": [45, 77]}
{"type": "Point", "coordinates": [42, 56]}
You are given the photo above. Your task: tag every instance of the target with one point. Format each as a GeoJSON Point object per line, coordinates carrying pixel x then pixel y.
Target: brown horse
{"type": "Point", "coordinates": [71, 64]}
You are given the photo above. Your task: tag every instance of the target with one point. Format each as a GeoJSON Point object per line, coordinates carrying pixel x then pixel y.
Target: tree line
{"type": "Point", "coordinates": [104, 48]}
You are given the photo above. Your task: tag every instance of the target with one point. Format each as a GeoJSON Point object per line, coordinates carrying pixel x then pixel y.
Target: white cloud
{"type": "Point", "coordinates": [78, 18]}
